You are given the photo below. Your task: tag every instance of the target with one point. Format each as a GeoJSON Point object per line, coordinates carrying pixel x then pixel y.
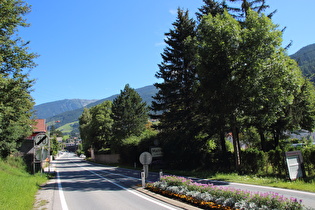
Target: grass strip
{"type": "Point", "coordinates": [18, 188]}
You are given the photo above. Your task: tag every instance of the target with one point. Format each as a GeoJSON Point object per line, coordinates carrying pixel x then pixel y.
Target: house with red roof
{"type": "Point", "coordinates": [39, 127]}
{"type": "Point", "coordinates": [27, 147]}
{"type": "Point", "coordinates": [34, 147]}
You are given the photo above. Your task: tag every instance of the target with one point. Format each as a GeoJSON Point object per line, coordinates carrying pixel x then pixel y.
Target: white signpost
{"type": "Point", "coordinates": [294, 162]}
{"type": "Point", "coordinates": [145, 159]}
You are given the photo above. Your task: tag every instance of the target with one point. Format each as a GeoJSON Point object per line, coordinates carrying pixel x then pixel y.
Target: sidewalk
{"type": "Point", "coordinates": [45, 195]}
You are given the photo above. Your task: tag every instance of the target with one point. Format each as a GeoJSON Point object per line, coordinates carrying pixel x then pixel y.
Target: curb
{"type": "Point", "coordinates": [165, 199]}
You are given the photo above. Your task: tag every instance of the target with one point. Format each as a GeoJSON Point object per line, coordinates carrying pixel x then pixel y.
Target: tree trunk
{"type": "Point", "coordinates": [276, 137]}
{"type": "Point", "coordinates": [222, 141]}
{"type": "Point", "coordinates": [262, 140]}
{"type": "Point", "coordinates": [236, 145]}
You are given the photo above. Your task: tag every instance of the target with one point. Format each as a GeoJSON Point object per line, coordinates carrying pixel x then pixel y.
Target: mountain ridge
{"type": "Point", "coordinates": [305, 57]}
{"type": "Point", "coordinates": [50, 109]}
{"type": "Point", "coordinates": [72, 115]}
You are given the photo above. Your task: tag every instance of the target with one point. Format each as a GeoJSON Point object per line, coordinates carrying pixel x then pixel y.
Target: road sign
{"type": "Point", "coordinates": [41, 139]}
{"type": "Point", "coordinates": [156, 152]}
{"type": "Point", "coordinates": [145, 158]}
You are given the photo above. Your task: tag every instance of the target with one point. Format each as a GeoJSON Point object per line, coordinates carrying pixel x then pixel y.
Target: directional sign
{"type": "Point", "coordinates": [145, 158]}
{"type": "Point", "coordinates": [156, 152]}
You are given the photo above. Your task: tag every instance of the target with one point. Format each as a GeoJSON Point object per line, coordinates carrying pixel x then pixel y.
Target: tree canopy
{"type": "Point", "coordinates": [104, 126]}
{"type": "Point", "coordinates": [15, 62]}
{"type": "Point", "coordinates": [222, 75]}
{"type": "Point", "coordinates": [130, 114]}
{"type": "Point", "coordinates": [242, 79]}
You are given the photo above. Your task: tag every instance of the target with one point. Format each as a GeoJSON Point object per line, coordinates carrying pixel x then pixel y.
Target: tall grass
{"type": "Point", "coordinates": [18, 188]}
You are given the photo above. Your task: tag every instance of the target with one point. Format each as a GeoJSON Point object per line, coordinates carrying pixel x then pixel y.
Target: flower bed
{"type": "Point", "coordinates": [208, 196]}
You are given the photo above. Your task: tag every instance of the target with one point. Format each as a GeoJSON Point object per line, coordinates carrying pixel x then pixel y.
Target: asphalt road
{"type": "Point", "coordinates": [83, 185]}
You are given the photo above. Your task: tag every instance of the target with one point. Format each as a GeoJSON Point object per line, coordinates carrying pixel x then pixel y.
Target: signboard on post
{"type": "Point", "coordinates": [156, 152]}
{"type": "Point", "coordinates": [294, 162]}
{"type": "Point", "coordinates": [41, 139]}
{"type": "Point", "coordinates": [41, 149]}
{"type": "Point", "coordinates": [145, 159]}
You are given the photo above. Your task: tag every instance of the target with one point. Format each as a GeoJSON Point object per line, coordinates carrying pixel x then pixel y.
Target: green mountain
{"type": "Point", "coordinates": [47, 110]}
{"type": "Point", "coordinates": [305, 57]}
{"type": "Point", "coordinates": [72, 115]}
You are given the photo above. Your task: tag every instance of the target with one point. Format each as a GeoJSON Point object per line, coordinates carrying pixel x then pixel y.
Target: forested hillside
{"type": "Point", "coordinates": [306, 60]}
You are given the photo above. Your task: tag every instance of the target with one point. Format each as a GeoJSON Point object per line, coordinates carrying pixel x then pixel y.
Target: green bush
{"type": "Point", "coordinates": [128, 154]}
{"type": "Point", "coordinates": [220, 161]}
{"type": "Point", "coordinates": [133, 146]}
{"type": "Point", "coordinates": [308, 154]}
{"type": "Point", "coordinates": [253, 161]}
{"type": "Point", "coordinates": [276, 158]}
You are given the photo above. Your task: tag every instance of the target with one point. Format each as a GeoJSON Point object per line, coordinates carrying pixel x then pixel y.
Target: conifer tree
{"type": "Point", "coordinates": [130, 115]}
{"type": "Point", "coordinates": [176, 99]}
{"type": "Point", "coordinates": [176, 93]}
{"type": "Point", "coordinates": [241, 11]}
{"type": "Point", "coordinates": [211, 7]}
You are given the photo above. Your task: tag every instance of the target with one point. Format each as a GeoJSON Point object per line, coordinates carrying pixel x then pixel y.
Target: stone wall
{"type": "Point", "coordinates": [111, 158]}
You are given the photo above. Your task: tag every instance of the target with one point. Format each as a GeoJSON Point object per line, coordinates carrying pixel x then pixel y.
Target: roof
{"type": "Point", "coordinates": [40, 126]}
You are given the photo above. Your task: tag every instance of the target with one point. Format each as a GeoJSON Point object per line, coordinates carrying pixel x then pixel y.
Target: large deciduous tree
{"type": "Point", "coordinates": [219, 40]}
{"type": "Point", "coordinates": [244, 72]}
{"type": "Point", "coordinates": [15, 62]}
{"type": "Point", "coordinates": [84, 128]}
{"type": "Point", "coordinates": [96, 126]}
{"type": "Point", "coordinates": [100, 128]}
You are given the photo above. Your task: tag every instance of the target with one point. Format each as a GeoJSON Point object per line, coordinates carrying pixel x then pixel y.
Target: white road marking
{"type": "Point", "coordinates": [275, 188]}
{"type": "Point", "coordinates": [259, 186]}
{"type": "Point", "coordinates": [62, 196]}
{"type": "Point", "coordinates": [131, 191]}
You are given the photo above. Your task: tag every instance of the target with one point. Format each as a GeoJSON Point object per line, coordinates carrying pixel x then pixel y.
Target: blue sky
{"type": "Point", "coordinates": [91, 49]}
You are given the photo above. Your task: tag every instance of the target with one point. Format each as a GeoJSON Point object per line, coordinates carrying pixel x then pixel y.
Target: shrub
{"type": "Point", "coordinates": [276, 160]}
{"type": "Point", "coordinates": [308, 154]}
{"type": "Point", "coordinates": [253, 160]}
